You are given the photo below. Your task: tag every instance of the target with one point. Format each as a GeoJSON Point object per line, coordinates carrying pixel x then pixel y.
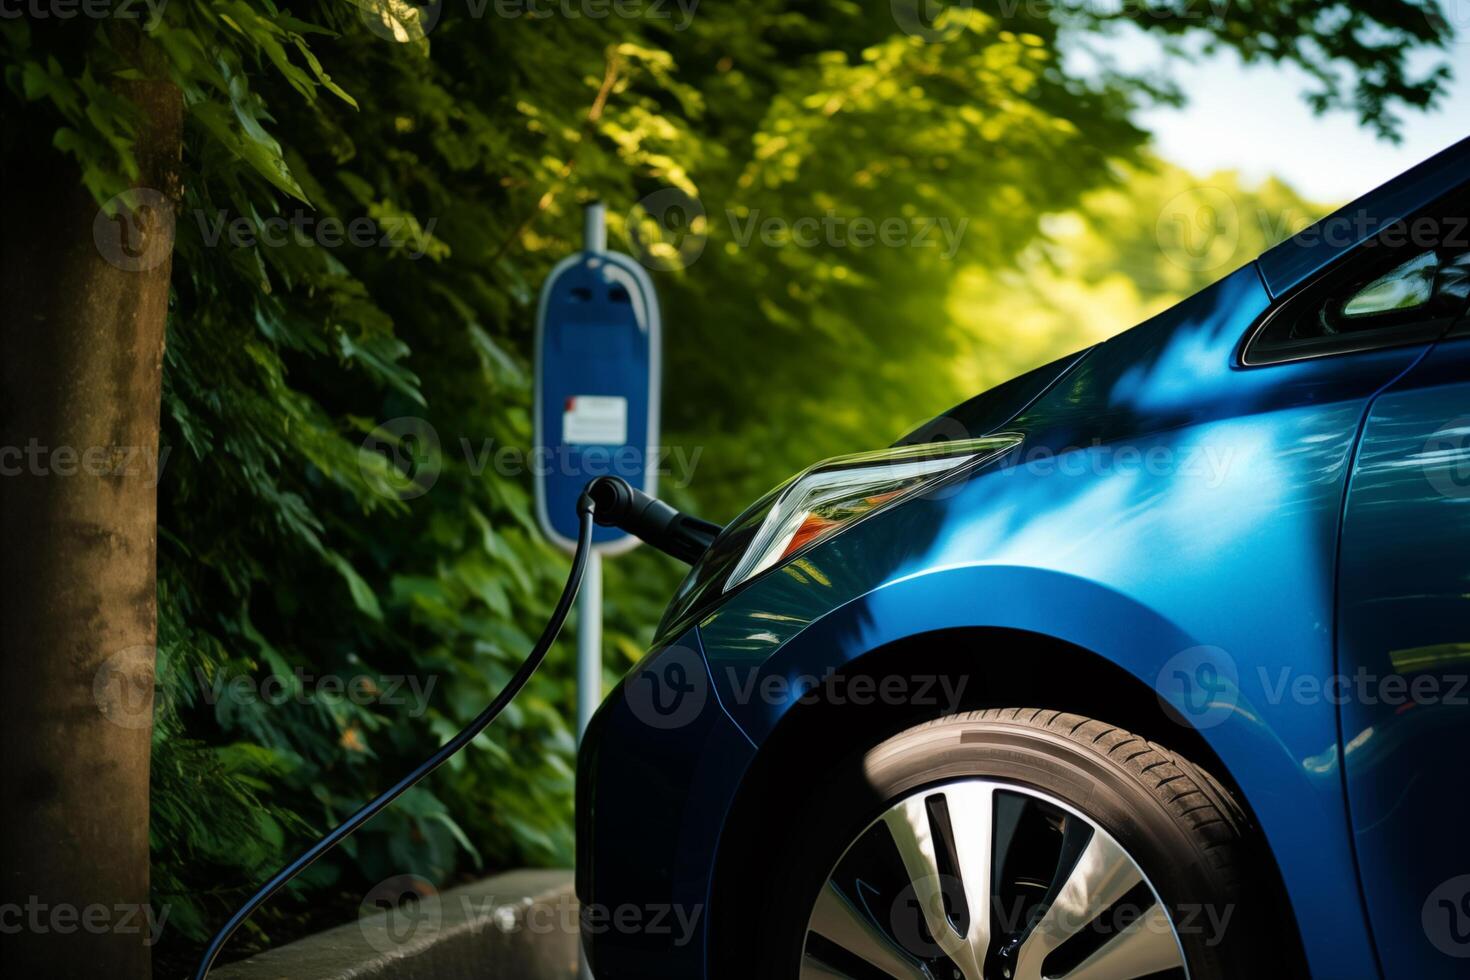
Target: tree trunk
{"type": "Point", "coordinates": [81, 353]}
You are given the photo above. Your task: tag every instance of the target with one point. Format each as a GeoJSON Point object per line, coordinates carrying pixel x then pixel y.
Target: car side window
{"type": "Point", "coordinates": [1390, 293]}
{"type": "Point", "coordinates": [1433, 282]}
{"type": "Point", "coordinates": [1452, 282]}
{"type": "Point", "coordinates": [1407, 287]}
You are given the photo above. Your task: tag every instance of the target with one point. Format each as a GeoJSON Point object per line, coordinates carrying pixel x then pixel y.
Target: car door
{"type": "Point", "coordinates": [1403, 663]}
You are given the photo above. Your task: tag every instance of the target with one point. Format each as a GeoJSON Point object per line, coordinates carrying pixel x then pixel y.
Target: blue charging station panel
{"type": "Point", "coordinates": [597, 388]}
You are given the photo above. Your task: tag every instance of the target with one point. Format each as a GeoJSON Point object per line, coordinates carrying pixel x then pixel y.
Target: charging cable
{"type": "Point", "coordinates": [586, 509]}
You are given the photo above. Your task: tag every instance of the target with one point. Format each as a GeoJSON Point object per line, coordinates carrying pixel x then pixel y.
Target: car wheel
{"type": "Point", "coordinates": [1007, 844]}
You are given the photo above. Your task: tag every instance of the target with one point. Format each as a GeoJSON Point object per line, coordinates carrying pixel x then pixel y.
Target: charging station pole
{"type": "Point", "coordinates": [589, 643]}
{"type": "Point", "coordinates": [589, 600]}
{"type": "Point", "coordinates": [597, 411]}
{"type": "Point", "coordinates": [598, 357]}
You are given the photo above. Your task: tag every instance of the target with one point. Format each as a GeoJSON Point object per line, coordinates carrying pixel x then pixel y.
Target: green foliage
{"type": "Point", "coordinates": [1123, 255]}
{"type": "Point", "coordinates": [289, 546]}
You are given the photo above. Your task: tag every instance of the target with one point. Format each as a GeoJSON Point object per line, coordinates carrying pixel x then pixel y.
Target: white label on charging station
{"type": "Point", "coordinates": [595, 420]}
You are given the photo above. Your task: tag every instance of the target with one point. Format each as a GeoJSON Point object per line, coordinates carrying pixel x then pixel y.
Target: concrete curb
{"type": "Point", "coordinates": [517, 926]}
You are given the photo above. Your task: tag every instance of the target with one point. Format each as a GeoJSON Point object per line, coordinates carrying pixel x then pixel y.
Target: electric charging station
{"type": "Point", "coordinates": [596, 411]}
{"type": "Point", "coordinates": [596, 416]}
{"type": "Point", "coordinates": [596, 419]}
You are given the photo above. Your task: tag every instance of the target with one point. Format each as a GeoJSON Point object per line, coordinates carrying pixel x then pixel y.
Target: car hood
{"type": "Point", "coordinates": [990, 410]}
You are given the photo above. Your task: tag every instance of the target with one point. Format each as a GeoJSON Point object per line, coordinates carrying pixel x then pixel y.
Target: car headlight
{"type": "Point", "coordinates": [820, 502]}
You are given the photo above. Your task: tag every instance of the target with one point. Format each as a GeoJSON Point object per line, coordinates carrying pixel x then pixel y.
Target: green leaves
{"type": "Point", "coordinates": [270, 34]}
{"type": "Point", "coordinates": [399, 21]}
{"type": "Point", "coordinates": [238, 129]}
{"type": "Point", "coordinates": [362, 593]}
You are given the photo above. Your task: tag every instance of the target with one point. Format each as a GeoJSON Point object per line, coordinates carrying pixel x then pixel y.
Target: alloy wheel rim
{"type": "Point", "coordinates": [1065, 900]}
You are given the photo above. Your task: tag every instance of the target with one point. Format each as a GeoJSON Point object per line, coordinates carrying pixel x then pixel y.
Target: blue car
{"type": "Point", "coordinates": [1149, 663]}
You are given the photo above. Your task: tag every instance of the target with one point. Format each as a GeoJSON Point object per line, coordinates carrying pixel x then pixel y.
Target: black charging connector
{"type": "Point", "coordinates": [671, 531]}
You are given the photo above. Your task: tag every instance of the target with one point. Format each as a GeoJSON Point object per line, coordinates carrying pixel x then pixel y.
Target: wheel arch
{"type": "Point", "coordinates": [1039, 671]}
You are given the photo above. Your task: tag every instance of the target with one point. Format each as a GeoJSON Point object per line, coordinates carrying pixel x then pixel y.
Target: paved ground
{"type": "Point", "coordinates": [517, 926]}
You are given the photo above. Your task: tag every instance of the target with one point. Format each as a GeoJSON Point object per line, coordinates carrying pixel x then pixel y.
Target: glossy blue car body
{"type": "Point", "coordinates": [1240, 542]}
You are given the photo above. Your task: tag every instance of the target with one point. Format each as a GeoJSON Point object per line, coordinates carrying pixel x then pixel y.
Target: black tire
{"type": "Point", "coordinates": [1181, 827]}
